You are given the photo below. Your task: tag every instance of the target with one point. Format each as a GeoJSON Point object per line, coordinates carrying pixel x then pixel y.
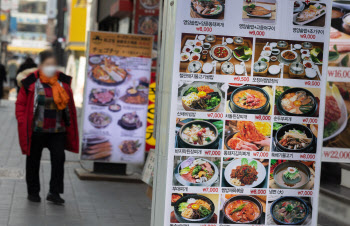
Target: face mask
{"type": "Point", "coordinates": [49, 71]}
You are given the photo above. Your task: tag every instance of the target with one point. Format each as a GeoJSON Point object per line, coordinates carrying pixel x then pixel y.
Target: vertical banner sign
{"type": "Point", "coordinates": [336, 125]}
{"type": "Point", "coordinates": [146, 17]}
{"type": "Point", "coordinates": [116, 97]}
{"type": "Point", "coordinates": [150, 140]}
{"type": "Point", "coordinates": [146, 21]}
{"type": "Point", "coordinates": [249, 89]}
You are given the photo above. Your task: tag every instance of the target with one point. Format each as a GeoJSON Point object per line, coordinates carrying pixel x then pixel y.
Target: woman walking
{"type": "Point", "coordinates": [46, 116]}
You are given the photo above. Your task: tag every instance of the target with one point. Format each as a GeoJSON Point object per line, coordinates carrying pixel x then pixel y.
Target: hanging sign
{"type": "Point", "coordinates": [248, 93]}
{"type": "Point", "coordinates": [116, 97]}
{"type": "Point", "coordinates": [146, 21]}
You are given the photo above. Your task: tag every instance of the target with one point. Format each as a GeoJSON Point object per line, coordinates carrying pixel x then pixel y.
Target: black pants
{"type": "Point", "coordinates": [55, 142]}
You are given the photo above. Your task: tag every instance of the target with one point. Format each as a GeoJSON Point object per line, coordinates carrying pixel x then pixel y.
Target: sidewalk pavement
{"type": "Point", "coordinates": [88, 203]}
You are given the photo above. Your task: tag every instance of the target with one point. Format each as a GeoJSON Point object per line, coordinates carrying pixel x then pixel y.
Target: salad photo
{"type": "Point", "coordinates": [192, 171]}
{"type": "Point", "coordinates": [194, 208]}
{"type": "Point", "coordinates": [200, 96]}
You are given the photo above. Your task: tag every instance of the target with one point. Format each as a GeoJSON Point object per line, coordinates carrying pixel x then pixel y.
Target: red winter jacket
{"type": "Point", "coordinates": [25, 113]}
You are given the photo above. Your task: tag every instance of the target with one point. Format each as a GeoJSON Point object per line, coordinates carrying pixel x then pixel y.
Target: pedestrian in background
{"type": "Point", "coordinates": [12, 68]}
{"type": "Point", "coordinates": [25, 69]}
{"type": "Point", "coordinates": [2, 80]}
{"type": "Point", "coordinates": [46, 116]}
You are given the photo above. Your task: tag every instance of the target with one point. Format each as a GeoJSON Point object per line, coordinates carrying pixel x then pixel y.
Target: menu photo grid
{"type": "Point", "coordinates": [243, 148]}
{"type": "Point", "coordinates": [242, 59]}
{"type": "Point", "coordinates": [245, 133]}
{"type": "Point", "coordinates": [243, 161]}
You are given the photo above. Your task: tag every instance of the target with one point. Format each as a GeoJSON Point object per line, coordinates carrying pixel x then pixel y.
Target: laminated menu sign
{"type": "Point", "coordinates": [336, 125]}
{"type": "Point", "coordinates": [248, 93]}
{"type": "Point", "coordinates": [116, 97]}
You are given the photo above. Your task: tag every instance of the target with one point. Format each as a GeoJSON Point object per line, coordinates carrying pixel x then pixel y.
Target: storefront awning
{"type": "Point", "coordinates": [24, 49]}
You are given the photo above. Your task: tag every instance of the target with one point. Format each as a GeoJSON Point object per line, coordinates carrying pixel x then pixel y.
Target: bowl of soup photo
{"type": "Point", "coordinates": [243, 210]}
{"type": "Point", "coordinates": [198, 134]}
{"type": "Point", "coordinates": [295, 138]}
{"type": "Point", "coordinates": [297, 102]}
{"type": "Point", "coordinates": [292, 175]}
{"type": "Point", "coordinates": [250, 100]}
{"type": "Point", "coordinates": [289, 211]}
{"type": "Point", "coordinates": [337, 13]}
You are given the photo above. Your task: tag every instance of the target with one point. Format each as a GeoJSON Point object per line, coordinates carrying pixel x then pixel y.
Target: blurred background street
{"type": "Point", "coordinates": [87, 202]}
{"type": "Point", "coordinates": [28, 27]}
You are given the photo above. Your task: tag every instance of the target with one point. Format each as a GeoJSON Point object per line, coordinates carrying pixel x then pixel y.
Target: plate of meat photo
{"type": "Point", "coordinates": [102, 97]}
{"type": "Point", "coordinates": [336, 114]}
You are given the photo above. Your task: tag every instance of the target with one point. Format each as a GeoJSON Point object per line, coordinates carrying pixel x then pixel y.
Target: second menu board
{"type": "Point", "coordinates": [247, 115]}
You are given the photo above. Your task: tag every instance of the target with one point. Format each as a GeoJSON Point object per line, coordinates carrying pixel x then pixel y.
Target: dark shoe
{"type": "Point", "coordinates": [34, 198]}
{"type": "Point", "coordinates": [55, 198]}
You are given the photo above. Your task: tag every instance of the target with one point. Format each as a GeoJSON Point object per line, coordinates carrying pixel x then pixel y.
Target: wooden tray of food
{"type": "Point", "coordinates": [263, 73]}
{"type": "Point", "coordinates": [200, 71]}
{"type": "Point", "coordinates": [293, 75]}
{"type": "Point", "coordinates": [218, 43]}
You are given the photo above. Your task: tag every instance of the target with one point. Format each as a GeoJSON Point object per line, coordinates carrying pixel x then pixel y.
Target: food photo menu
{"type": "Point", "coordinates": [248, 93]}
{"type": "Point", "coordinates": [116, 97]}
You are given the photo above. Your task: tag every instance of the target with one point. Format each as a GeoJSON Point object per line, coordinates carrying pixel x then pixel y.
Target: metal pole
{"type": "Point", "coordinates": [0, 32]}
{"type": "Point", "coordinates": [0, 22]}
{"type": "Point", "coordinates": [163, 111]}
{"type": "Point", "coordinates": [0, 14]}
{"type": "Point", "coordinates": [61, 7]}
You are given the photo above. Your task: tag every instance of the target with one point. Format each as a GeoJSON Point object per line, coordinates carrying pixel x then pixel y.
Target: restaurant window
{"type": "Point", "coordinates": [32, 7]}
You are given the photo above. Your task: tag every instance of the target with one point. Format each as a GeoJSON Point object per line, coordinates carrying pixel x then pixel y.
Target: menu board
{"type": "Point", "coordinates": [336, 126]}
{"type": "Point", "coordinates": [116, 97]}
{"type": "Point", "coordinates": [246, 123]}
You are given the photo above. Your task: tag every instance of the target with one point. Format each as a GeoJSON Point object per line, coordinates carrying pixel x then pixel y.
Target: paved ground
{"type": "Point", "coordinates": [87, 202]}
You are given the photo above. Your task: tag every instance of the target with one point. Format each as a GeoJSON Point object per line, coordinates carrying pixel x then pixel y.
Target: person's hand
{"type": "Point", "coordinates": [264, 143]}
